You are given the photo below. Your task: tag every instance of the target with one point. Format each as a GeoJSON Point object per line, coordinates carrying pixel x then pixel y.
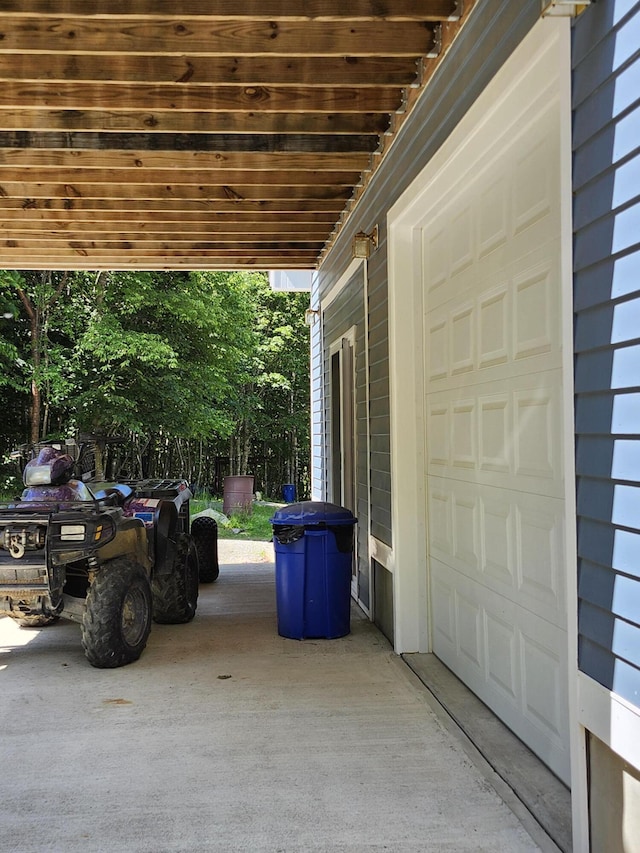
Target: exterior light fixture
{"type": "Point", "coordinates": [364, 244]}
{"type": "Point", "coordinates": [311, 315]}
{"type": "Point", "coordinates": [563, 8]}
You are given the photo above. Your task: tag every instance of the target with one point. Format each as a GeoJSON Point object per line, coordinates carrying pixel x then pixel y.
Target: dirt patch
{"type": "Point", "coordinates": [245, 551]}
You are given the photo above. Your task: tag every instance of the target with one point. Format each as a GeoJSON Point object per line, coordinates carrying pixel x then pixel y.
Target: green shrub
{"type": "Point", "coordinates": [254, 525]}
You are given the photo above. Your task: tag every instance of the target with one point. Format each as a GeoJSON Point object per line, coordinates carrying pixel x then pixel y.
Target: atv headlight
{"type": "Point", "coordinates": [72, 535]}
{"type": "Point", "coordinates": [72, 532]}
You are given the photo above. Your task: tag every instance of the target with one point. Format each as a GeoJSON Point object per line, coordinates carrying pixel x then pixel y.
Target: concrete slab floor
{"type": "Point", "coordinates": [225, 737]}
{"type": "Point", "coordinates": [539, 790]}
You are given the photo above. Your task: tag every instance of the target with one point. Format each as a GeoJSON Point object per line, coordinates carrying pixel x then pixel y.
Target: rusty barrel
{"type": "Point", "coordinates": [237, 494]}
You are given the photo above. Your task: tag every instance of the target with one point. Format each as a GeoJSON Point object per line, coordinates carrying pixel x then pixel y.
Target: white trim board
{"type": "Point", "coordinates": [611, 719]}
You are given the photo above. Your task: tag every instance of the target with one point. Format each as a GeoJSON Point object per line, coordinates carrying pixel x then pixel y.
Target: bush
{"type": "Point", "coordinates": [254, 525]}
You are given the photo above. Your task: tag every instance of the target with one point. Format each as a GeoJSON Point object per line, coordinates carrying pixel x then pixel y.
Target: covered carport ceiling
{"type": "Point", "coordinates": [165, 134]}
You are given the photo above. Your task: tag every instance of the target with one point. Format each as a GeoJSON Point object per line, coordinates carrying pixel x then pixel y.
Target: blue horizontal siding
{"type": "Point", "coordinates": [606, 97]}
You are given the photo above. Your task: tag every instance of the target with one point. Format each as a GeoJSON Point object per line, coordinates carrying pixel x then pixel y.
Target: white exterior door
{"type": "Point", "coordinates": [491, 270]}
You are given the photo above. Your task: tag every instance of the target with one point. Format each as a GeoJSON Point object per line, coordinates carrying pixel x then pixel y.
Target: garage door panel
{"type": "Point", "coordinates": [469, 635]}
{"type": "Point", "coordinates": [535, 446]}
{"type": "Point", "coordinates": [511, 542]}
{"type": "Point", "coordinates": [535, 173]}
{"type": "Point", "coordinates": [493, 314]}
{"type": "Point", "coordinates": [492, 226]}
{"type": "Point", "coordinates": [502, 669]}
{"type": "Point", "coordinates": [541, 676]}
{"type": "Point", "coordinates": [490, 244]}
{"type": "Point", "coordinates": [497, 531]}
{"type": "Point", "coordinates": [513, 660]}
{"type": "Point", "coordinates": [512, 212]}
{"type": "Point", "coordinates": [540, 548]}
{"type": "Point", "coordinates": [464, 434]}
{"type": "Point", "coordinates": [440, 519]}
{"type": "Point", "coordinates": [504, 323]}
{"type": "Point", "coordinates": [466, 538]}
{"type": "Point", "coordinates": [509, 439]}
{"type": "Point", "coordinates": [462, 337]}
{"type": "Point", "coordinates": [494, 427]}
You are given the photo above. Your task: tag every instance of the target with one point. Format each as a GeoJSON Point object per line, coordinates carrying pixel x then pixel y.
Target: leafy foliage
{"type": "Point", "coordinates": [191, 366]}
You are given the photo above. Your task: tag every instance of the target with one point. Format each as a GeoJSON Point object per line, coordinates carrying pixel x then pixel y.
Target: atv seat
{"type": "Point", "coordinates": [117, 493]}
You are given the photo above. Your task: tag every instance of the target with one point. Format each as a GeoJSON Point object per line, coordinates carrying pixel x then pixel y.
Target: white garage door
{"type": "Point", "coordinates": [492, 296]}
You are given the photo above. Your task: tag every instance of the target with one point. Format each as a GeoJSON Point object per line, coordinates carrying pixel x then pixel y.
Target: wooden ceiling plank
{"type": "Point", "coordinates": [212, 99]}
{"type": "Point", "coordinates": [169, 245]}
{"type": "Point", "coordinates": [179, 144]}
{"type": "Point", "coordinates": [123, 228]}
{"type": "Point", "coordinates": [7, 252]}
{"type": "Point", "coordinates": [375, 71]}
{"type": "Point", "coordinates": [246, 37]}
{"type": "Point", "coordinates": [188, 161]}
{"type": "Point", "coordinates": [322, 10]}
{"type": "Point", "coordinates": [116, 263]}
{"type": "Point", "coordinates": [132, 180]}
{"type": "Point", "coordinates": [222, 207]}
{"type": "Point", "coordinates": [160, 122]}
{"type": "Point", "coordinates": [162, 239]}
{"type": "Point", "coordinates": [150, 220]}
{"type": "Point", "coordinates": [207, 193]}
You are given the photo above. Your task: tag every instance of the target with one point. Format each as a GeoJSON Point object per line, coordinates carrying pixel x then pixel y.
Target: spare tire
{"type": "Point", "coordinates": [204, 531]}
{"type": "Point", "coordinates": [175, 595]}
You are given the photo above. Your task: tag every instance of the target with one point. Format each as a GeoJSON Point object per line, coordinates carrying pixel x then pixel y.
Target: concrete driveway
{"type": "Point", "coordinates": [225, 736]}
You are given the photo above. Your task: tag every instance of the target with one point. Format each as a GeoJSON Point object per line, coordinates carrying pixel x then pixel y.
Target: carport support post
{"type": "Point", "coordinates": [408, 475]}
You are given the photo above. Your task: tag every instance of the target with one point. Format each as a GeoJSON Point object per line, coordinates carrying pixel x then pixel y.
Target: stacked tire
{"type": "Point", "coordinates": [204, 532]}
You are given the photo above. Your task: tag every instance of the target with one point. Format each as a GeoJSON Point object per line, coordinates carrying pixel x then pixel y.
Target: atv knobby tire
{"type": "Point", "coordinates": [175, 595]}
{"type": "Point", "coordinates": [117, 621]}
{"type": "Point", "coordinates": [205, 535]}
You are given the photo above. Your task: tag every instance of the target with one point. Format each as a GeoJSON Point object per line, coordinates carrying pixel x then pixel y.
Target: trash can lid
{"type": "Point", "coordinates": [313, 513]}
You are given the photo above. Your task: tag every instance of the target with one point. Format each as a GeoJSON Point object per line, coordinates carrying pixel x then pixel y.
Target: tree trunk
{"type": "Point", "coordinates": [34, 342]}
{"type": "Point", "coordinates": [37, 318]}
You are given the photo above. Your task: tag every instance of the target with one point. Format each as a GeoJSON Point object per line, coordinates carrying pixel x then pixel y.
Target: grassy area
{"type": "Point", "coordinates": [254, 525]}
{"type": "Point", "coordinates": [242, 525]}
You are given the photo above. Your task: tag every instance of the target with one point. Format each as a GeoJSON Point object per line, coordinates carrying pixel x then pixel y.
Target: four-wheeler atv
{"type": "Point", "coordinates": [110, 556]}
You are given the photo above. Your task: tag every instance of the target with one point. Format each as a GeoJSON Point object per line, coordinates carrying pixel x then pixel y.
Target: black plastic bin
{"type": "Point", "coordinates": [313, 543]}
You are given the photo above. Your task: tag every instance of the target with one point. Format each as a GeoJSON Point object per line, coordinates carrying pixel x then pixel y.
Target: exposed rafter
{"type": "Point", "coordinates": [160, 134]}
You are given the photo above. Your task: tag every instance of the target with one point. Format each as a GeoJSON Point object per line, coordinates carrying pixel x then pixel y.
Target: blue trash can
{"type": "Point", "coordinates": [289, 493]}
{"type": "Point", "coordinates": [313, 542]}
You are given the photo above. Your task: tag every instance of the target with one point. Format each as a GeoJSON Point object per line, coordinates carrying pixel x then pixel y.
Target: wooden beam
{"type": "Point", "coordinates": [82, 207]}
{"type": "Point", "coordinates": [246, 37]}
{"type": "Point", "coordinates": [132, 180]}
{"type": "Point", "coordinates": [244, 192]}
{"type": "Point", "coordinates": [132, 245]}
{"type": "Point", "coordinates": [196, 162]}
{"type": "Point", "coordinates": [160, 122]}
{"type": "Point", "coordinates": [179, 144]}
{"type": "Point", "coordinates": [116, 262]}
{"type": "Point", "coordinates": [142, 227]}
{"type": "Point", "coordinates": [150, 220]}
{"type": "Point", "coordinates": [177, 237]}
{"type": "Point", "coordinates": [212, 99]}
{"type": "Point", "coordinates": [211, 70]}
{"type": "Point", "coordinates": [259, 255]}
{"type": "Point", "coordinates": [303, 10]}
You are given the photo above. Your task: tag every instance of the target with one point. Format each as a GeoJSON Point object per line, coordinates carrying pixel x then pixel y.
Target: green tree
{"type": "Point", "coordinates": [192, 367]}
{"type": "Point", "coordinates": [272, 412]}
{"type": "Point", "coordinates": [38, 293]}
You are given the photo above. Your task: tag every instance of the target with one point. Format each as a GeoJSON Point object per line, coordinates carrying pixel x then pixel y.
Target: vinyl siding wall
{"type": "Point", "coordinates": [606, 87]}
